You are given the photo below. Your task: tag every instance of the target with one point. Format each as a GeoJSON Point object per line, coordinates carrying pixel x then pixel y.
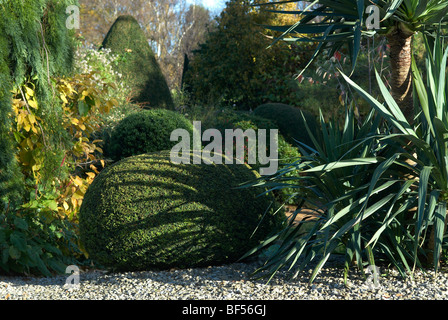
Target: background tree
{"type": "Point", "coordinates": [233, 66]}
{"type": "Point", "coordinates": [197, 23]}
{"type": "Point", "coordinates": [338, 24]}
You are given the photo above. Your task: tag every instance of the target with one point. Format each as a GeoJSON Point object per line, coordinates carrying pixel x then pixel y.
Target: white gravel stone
{"type": "Point", "coordinates": [227, 282]}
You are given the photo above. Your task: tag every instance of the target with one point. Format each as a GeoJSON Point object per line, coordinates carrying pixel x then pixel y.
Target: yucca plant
{"type": "Point", "coordinates": [341, 23]}
{"type": "Point", "coordinates": [385, 197]}
{"type": "Point", "coordinates": [335, 175]}
{"type": "Point", "coordinates": [426, 146]}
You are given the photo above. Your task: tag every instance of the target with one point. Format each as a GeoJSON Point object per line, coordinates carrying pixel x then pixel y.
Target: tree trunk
{"type": "Point", "coordinates": [400, 62]}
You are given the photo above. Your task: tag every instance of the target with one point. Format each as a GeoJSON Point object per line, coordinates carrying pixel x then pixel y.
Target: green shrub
{"type": "Point", "coordinates": [145, 212]}
{"type": "Point", "coordinates": [289, 121]}
{"type": "Point", "coordinates": [139, 65]}
{"type": "Point", "coordinates": [145, 131]}
{"type": "Point", "coordinates": [329, 190]}
{"type": "Point", "coordinates": [33, 244]}
{"type": "Point", "coordinates": [229, 119]}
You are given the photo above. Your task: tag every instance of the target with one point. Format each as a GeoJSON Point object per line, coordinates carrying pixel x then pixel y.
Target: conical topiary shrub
{"type": "Point", "coordinates": [139, 67]}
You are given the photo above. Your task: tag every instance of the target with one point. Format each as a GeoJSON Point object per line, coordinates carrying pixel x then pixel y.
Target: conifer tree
{"type": "Point", "coordinates": [35, 45]}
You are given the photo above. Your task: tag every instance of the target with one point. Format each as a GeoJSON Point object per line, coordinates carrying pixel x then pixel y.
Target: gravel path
{"type": "Point", "coordinates": [228, 282]}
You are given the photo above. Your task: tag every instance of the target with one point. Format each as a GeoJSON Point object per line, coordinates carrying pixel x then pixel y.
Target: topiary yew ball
{"type": "Point", "coordinates": [145, 212]}
{"type": "Point", "coordinates": [144, 132]}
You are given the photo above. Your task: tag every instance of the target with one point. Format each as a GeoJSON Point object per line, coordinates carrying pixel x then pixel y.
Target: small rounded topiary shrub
{"type": "Point", "coordinates": [145, 212]}
{"type": "Point", "coordinates": [290, 121]}
{"type": "Point", "coordinates": [287, 153]}
{"type": "Point", "coordinates": [145, 131]}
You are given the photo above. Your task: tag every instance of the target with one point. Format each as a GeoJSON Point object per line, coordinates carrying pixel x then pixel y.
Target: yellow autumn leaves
{"type": "Point", "coordinates": [82, 102]}
{"type": "Point", "coordinates": [25, 118]}
{"type": "Point", "coordinates": [26, 134]}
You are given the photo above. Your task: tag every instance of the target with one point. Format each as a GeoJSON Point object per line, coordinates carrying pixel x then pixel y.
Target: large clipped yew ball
{"type": "Point", "coordinates": [145, 212]}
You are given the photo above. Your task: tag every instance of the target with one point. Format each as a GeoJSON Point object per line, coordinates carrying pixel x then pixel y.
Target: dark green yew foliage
{"type": "Point", "coordinates": [139, 66]}
{"type": "Point", "coordinates": [290, 121]}
{"type": "Point", "coordinates": [287, 153]}
{"type": "Point", "coordinates": [144, 132]}
{"type": "Point", "coordinates": [144, 212]}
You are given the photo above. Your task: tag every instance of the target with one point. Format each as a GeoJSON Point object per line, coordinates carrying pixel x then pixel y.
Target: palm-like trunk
{"type": "Point", "coordinates": [401, 84]}
{"type": "Point", "coordinates": [400, 62]}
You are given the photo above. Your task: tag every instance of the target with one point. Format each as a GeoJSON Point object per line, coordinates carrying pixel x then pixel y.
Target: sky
{"type": "Point", "coordinates": [212, 5]}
